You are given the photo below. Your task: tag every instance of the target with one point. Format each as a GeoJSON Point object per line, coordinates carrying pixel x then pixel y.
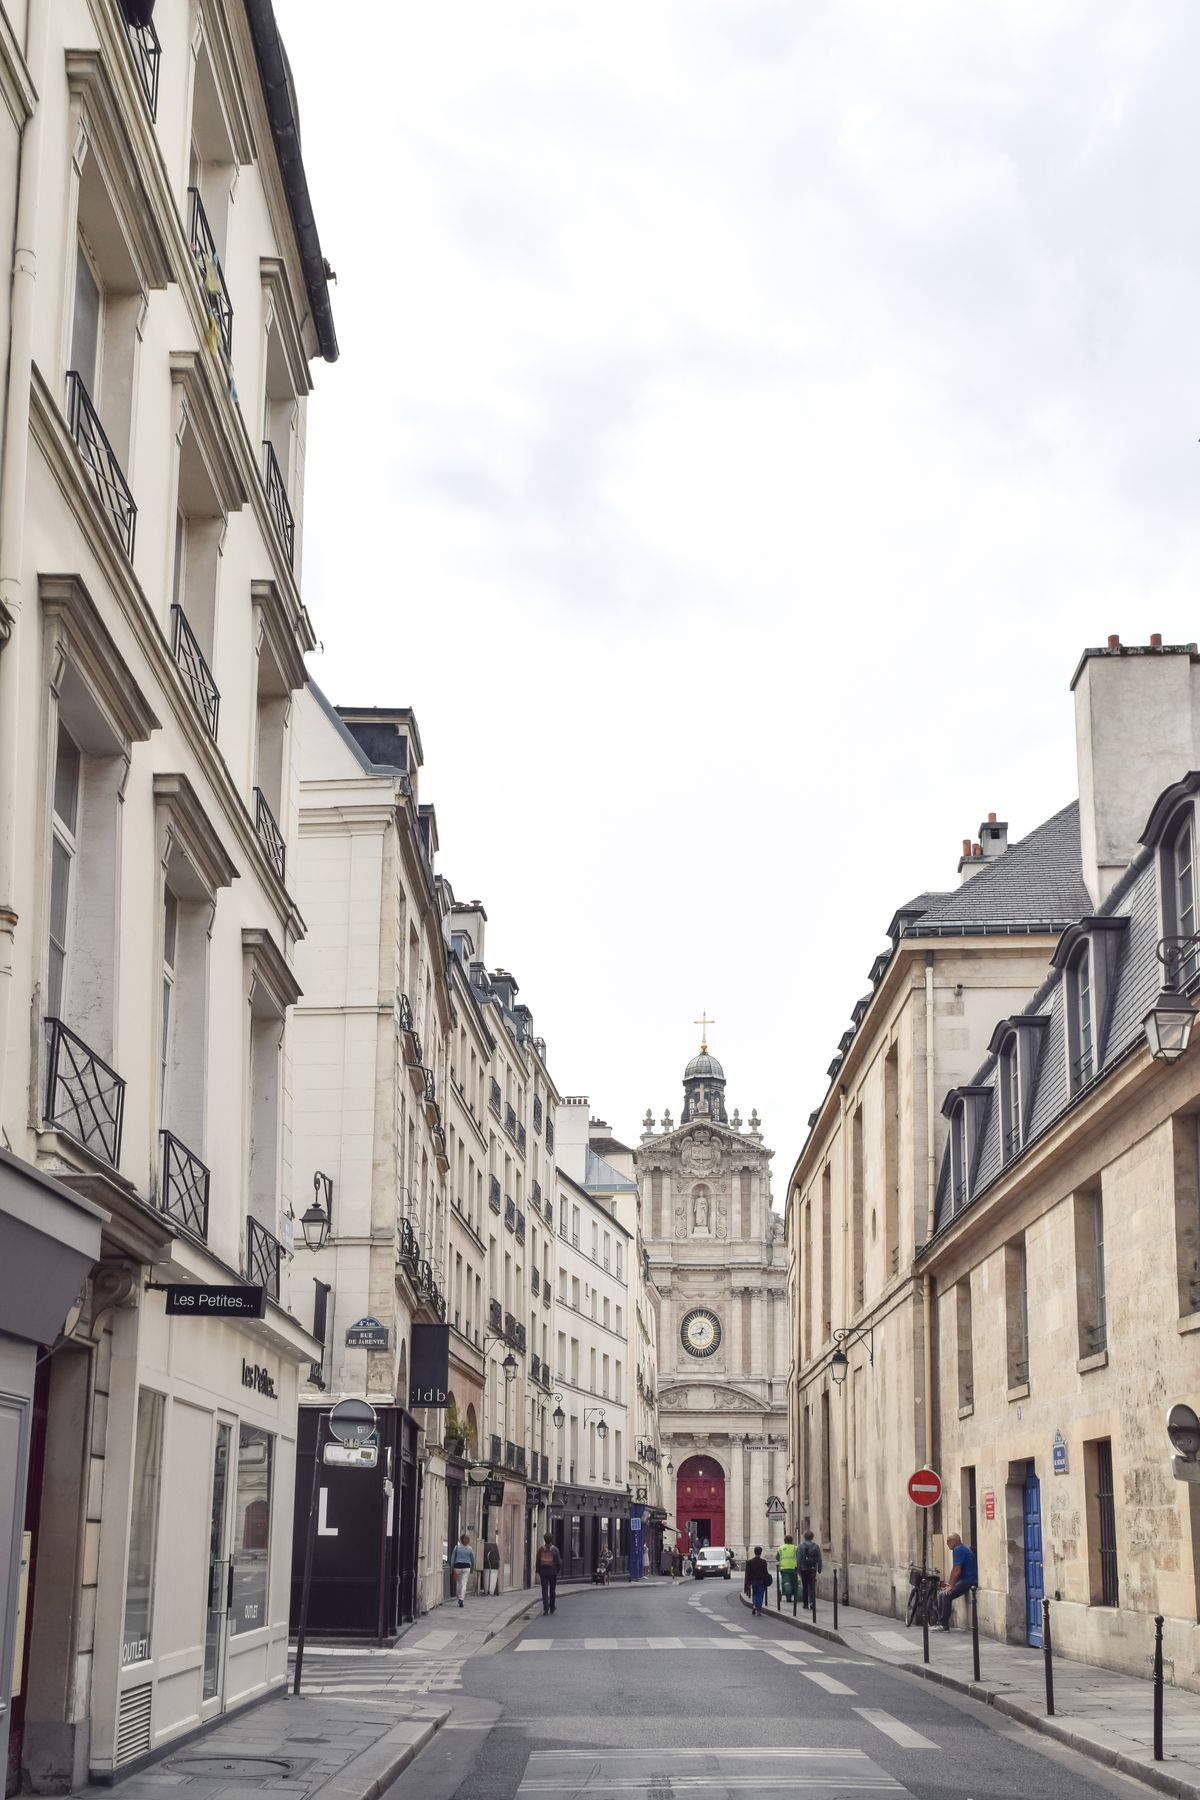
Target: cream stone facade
{"type": "Point", "coordinates": [717, 1252]}
{"type": "Point", "coordinates": [168, 297]}
{"type": "Point", "coordinates": [1019, 1284]}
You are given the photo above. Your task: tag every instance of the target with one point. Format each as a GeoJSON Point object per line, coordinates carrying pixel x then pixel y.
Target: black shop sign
{"type": "Point", "coordinates": [196, 1300]}
{"type": "Point", "coordinates": [429, 1383]}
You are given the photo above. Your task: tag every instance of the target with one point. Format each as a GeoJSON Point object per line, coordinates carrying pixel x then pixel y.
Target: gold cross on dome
{"type": "Point", "coordinates": [704, 1023]}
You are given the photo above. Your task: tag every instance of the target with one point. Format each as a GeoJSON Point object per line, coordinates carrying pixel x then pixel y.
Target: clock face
{"type": "Point", "coordinates": [700, 1331]}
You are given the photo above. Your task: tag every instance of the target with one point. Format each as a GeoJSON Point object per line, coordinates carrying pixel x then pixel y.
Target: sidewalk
{"type": "Point", "coordinates": [1104, 1715]}
{"type": "Point", "coordinates": [361, 1717]}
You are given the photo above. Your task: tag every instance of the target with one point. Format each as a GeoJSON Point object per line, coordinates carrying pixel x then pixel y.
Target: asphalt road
{"type": "Point", "coordinates": [660, 1691]}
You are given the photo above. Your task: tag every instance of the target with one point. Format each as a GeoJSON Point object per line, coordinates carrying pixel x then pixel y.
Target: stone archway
{"type": "Point", "coordinates": [700, 1502]}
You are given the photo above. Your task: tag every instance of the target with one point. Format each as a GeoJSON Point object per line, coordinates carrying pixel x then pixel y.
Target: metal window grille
{"type": "Point", "coordinates": [277, 501]}
{"type": "Point", "coordinates": [147, 55]}
{"type": "Point", "coordinates": [494, 1193]}
{"type": "Point", "coordinates": [262, 1257]}
{"type": "Point", "coordinates": [208, 268]}
{"type": "Point", "coordinates": [494, 1094]}
{"type": "Point", "coordinates": [184, 1195]}
{"type": "Point", "coordinates": [84, 1097]}
{"type": "Point", "coordinates": [197, 675]}
{"type": "Point", "coordinates": [100, 459]}
{"type": "Point", "coordinates": [1109, 1584]}
{"type": "Point", "coordinates": [269, 834]}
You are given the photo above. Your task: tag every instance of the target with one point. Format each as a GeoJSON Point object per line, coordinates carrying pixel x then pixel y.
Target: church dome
{"type": "Point", "coordinates": [706, 1066]}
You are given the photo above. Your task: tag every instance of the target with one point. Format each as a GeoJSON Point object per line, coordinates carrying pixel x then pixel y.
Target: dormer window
{"type": "Point", "coordinates": [1010, 1095]}
{"type": "Point", "coordinates": [1081, 1023]}
{"type": "Point", "coordinates": [1181, 885]}
{"type": "Point", "coordinates": [958, 1156]}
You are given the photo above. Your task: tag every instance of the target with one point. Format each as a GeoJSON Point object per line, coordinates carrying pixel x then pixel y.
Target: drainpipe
{"type": "Point", "coordinates": [930, 1201]}
{"type": "Point", "coordinates": [847, 1314]}
{"type": "Point", "coordinates": [13, 481]}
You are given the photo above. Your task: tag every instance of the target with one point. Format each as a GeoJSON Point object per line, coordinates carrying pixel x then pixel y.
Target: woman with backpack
{"type": "Point", "coordinates": [808, 1558]}
{"type": "Point", "coordinates": [549, 1565]}
{"type": "Point", "coordinates": [758, 1580]}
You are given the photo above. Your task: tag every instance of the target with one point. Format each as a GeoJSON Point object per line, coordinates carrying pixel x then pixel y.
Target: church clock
{"type": "Point", "coordinates": [700, 1331]}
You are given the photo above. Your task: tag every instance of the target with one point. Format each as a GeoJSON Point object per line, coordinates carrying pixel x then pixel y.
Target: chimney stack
{"type": "Point", "coordinates": [1137, 729]}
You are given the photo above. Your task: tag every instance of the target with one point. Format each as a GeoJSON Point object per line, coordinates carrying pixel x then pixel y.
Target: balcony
{"type": "Point", "coordinates": [408, 1254]}
{"type": "Point", "coordinates": [494, 1449]}
{"type": "Point", "coordinates": [100, 460]}
{"type": "Point", "coordinates": [522, 1138]}
{"type": "Point", "coordinates": [537, 1114]}
{"type": "Point", "coordinates": [545, 1471]}
{"type": "Point", "coordinates": [84, 1097]}
{"type": "Point", "coordinates": [545, 1293]}
{"type": "Point", "coordinates": [510, 1328]}
{"type": "Point", "coordinates": [184, 1193]}
{"type": "Point", "coordinates": [269, 834]}
{"type": "Point", "coordinates": [519, 1337]}
{"type": "Point", "coordinates": [519, 1464]}
{"type": "Point", "coordinates": [262, 1257]}
{"type": "Point", "coordinates": [197, 676]}
{"type": "Point", "coordinates": [494, 1193]}
{"type": "Point", "coordinates": [494, 1095]}
{"type": "Point", "coordinates": [520, 1227]}
{"type": "Point", "coordinates": [510, 1212]}
{"type": "Point", "coordinates": [510, 1120]}
{"type": "Point", "coordinates": [535, 1366]}
{"type": "Point", "coordinates": [536, 1196]}
{"type": "Point", "coordinates": [535, 1281]}
{"type": "Point", "coordinates": [208, 268]}
{"type": "Point", "coordinates": [409, 1034]}
{"type": "Point", "coordinates": [549, 1134]}
{"type": "Point", "coordinates": [147, 54]}
{"type": "Point", "coordinates": [495, 1315]}
{"type": "Point", "coordinates": [277, 502]}
{"type": "Point", "coordinates": [433, 1112]}
{"type": "Point", "coordinates": [549, 1210]}
{"type": "Point", "coordinates": [510, 1454]}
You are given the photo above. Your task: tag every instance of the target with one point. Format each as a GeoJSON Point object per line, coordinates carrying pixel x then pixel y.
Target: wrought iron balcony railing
{"type": "Point", "coordinates": [277, 501]}
{"type": "Point", "coordinates": [495, 1315]}
{"type": "Point", "coordinates": [549, 1210]}
{"type": "Point", "coordinates": [208, 267]}
{"type": "Point", "coordinates": [269, 834]}
{"type": "Point", "coordinates": [494, 1094]}
{"type": "Point", "coordinates": [535, 1280]}
{"type": "Point", "coordinates": [536, 1196]}
{"type": "Point", "coordinates": [510, 1212]}
{"type": "Point", "coordinates": [518, 1336]}
{"type": "Point", "coordinates": [537, 1114]}
{"type": "Point", "coordinates": [494, 1193]}
{"type": "Point", "coordinates": [520, 1227]}
{"type": "Point", "coordinates": [545, 1293]}
{"type": "Point", "coordinates": [100, 460]}
{"type": "Point", "coordinates": [545, 1470]}
{"type": "Point", "coordinates": [147, 54]}
{"type": "Point", "coordinates": [197, 676]}
{"type": "Point", "coordinates": [262, 1257]}
{"type": "Point", "coordinates": [535, 1366]}
{"type": "Point", "coordinates": [510, 1328]}
{"type": "Point", "coordinates": [510, 1120]}
{"type": "Point", "coordinates": [84, 1097]}
{"type": "Point", "coordinates": [409, 1252]}
{"type": "Point", "coordinates": [522, 1137]}
{"type": "Point", "coordinates": [510, 1454]}
{"type": "Point", "coordinates": [549, 1134]}
{"type": "Point", "coordinates": [184, 1192]}
{"type": "Point", "coordinates": [495, 1449]}
{"type": "Point", "coordinates": [519, 1464]}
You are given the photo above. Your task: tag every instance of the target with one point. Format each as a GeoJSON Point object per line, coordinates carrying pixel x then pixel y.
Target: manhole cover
{"type": "Point", "coordinates": [238, 1768]}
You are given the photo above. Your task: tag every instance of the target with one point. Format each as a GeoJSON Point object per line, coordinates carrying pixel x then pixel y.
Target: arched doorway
{"type": "Point", "coordinates": [700, 1503]}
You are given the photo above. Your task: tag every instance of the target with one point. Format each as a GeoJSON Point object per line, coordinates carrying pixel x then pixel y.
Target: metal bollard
{"type": "Point", "coordinates": [1158, 1688]}
{"type": "Point", "coordinates": [924, 1626]}
{"type": "Point", "coordinates": [1047, 1654]}
{"type": "Point", "coordinates": [975, 1633]}
{"type": "Point", "coordinates": [835, 1596]}
{"type": "Point", "coordinates": [813, 1601]}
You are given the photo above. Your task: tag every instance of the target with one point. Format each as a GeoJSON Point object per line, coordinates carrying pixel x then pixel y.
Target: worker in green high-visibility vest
{"type": "Point", "coordinates": [785, 1562]}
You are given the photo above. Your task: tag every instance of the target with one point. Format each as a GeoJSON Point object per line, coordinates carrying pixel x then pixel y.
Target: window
{"type": "Point", "coordinates": [966, 1349]}
{"type": "Point", "coordinates": [285, 383]}
{"type": "Point", "coordinates": [562, 1217]}
{"type": "Point", "coordinates": [604, 1376]}
{"type": "Point", "coordinates": [857, 1246]}
{"type": "Point", "coordinates": [86, 319]}
{"type": "Point", "coordinates": [1010, 1095]}
{"type": "Point", "coordinates": [170, 937]}
{"type": "Point", "coordinates": [595, 1242]}
{"type": "Point", "coordinates": [592, 1370]}
{"type": "Point", "coordinates": [1090, 1287]}
{"type": "Point", "coordinates": [1081, 1022]}
{"type": "Point", "coordinates": [1181, 886]}
{"type": "Point", "coordinates": [272, 990]}
{"type": "Point", "coordinates": [620, 1265]}
{"type": "Point", "coordinates": [136, 1636]}
{"type": "Point", "coordinates": [606, 1313]}
{"type": "Point", "coordinates": [63, 851]}
{"type": "Point", "coordinates": [969, 1527]}
{"type": "Point", "coordinates": [619, 1326]}
{"type": "Point", "coordinates": [575, 1292]}
{"type": "Point", "coordinates": [575, 1226]}
{"type": "Point", "coordinates": [891, 1161]}
{"type": "Point", "coordinates": [826, 1254]}
{"type": "Point", "coordinates": [1016, 1312]}
{"type": "Point", "coordinates": [607, 1249]}
{"type": "Point", "coordinates": [1101, 1522]}
{"type": "Point", "coordinates": [279, 674]}
{"type": "Point", "coordinates": [958, 1156]}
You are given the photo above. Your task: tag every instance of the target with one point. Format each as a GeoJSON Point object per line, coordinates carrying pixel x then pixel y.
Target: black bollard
{"type": "Point", "coordinates": [974, 1633]}
{"type": "Point", "coordinates": [835, 1592]}
{"type": "Point", "coordinates": [813, 1599]}
{"type": "Point", "coordinates": [795, 1592]}
{"type": "Point", "coordinates": [1047, 1654]}
{"type": "Point", "coordinates": [924, 1603]}
{"type": "Point", "coordinates": [1158, 1688]}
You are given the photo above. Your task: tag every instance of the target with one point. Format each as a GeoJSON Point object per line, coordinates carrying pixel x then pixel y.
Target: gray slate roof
{"type": "Point", "coordinates": [1037, 880]}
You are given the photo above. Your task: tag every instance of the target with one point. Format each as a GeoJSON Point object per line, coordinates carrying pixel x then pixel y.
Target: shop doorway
{"type": "Point", "coordinates": [1034, 1579]}
{"type": "Point", "coordinates": [219, 1571]}
{"type": "Point", "coordinates": [700, 1503]}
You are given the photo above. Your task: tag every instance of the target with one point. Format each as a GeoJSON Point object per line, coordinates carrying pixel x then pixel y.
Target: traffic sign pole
{"type": "Point", "coordinates": [310, 1544]}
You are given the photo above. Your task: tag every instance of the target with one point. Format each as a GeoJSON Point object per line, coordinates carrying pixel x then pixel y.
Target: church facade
{"type": "Point", "coordinates": [720, 1265]}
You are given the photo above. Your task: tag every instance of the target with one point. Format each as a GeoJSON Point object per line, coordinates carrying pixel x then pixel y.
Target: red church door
{"type": "Point", "coordinates": [700, 1503]}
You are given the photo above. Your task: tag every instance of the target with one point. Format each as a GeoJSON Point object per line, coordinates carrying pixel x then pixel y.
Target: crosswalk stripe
{"type": "Point", "coordinates": [901, 1734]}
{"type": "Point", "coordinates": [827, 1682]}
{"type": "Point", "coordinates": [534, 1644]}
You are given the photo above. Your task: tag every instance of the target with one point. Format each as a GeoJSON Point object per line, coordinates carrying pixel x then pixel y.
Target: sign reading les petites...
{"type": "Point", "coordinates": [196, 1301]}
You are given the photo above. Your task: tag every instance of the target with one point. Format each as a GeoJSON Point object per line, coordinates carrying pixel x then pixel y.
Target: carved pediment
{"type": "Point", "coordinates": [705, 1398]}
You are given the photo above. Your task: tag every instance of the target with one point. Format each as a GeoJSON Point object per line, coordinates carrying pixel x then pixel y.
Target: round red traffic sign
{"type": "Point", "coordinates": [925, 1487]}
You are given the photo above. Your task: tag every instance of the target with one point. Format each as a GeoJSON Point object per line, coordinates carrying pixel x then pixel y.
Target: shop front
{"type": "Point", "coordinates": [589, 1521]}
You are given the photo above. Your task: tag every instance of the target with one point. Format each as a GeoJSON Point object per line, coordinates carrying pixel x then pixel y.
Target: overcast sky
{"type": "Point", "coordinates": [746, 413]}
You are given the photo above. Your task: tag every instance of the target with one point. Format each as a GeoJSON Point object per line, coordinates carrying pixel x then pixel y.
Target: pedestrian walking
{"type": "Point", "coordinates": [462, 1561]}
{"type": "Point", "coordinates": [808, 1557]}
{"type": "Point", "coordinates": [785, 1562]}
{"type": "Point", "coordinates": [964, 1575]}
{"type": "Point", "coordinates": [549, 1565]}
{"type": "Point", "coordinates": [758, 1580]}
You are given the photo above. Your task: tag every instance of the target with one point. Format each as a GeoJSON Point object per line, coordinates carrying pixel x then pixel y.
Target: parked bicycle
{"type": "Point", "coordinates": [923, 1588]}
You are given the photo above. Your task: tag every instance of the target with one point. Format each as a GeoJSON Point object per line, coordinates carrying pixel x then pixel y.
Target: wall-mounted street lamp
{"type": "Point", "coordinates": [1168, 1026]}
{"type": "Point", "coordinates": [670, 1467]}
{"type": "Point", "coordinates": [839, 1362]}
{"type": "Point", "coordinates": [558, 1416]}
{"type": "Point", "coordinates": [316, 1222]}
{"type": "Point", "coordinates": [602, 1428]}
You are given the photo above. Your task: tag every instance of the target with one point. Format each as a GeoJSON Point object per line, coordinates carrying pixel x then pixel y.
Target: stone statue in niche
{"type": "Point", "coordinates": [700, 1211]}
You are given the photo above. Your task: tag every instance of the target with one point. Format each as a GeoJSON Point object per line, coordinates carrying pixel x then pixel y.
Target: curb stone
{"type": "Point", "coordinates": [384, 1761]}
{"type": "Point", "coordinates": [1108, 1755]}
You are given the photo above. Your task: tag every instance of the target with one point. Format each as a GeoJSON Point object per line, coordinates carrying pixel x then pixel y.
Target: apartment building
{"type": "Point", "coordinates": [169, 296]}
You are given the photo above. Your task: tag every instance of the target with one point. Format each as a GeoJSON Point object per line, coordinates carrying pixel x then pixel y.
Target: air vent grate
{"type": "Point", "coordinates": [133, 1724]}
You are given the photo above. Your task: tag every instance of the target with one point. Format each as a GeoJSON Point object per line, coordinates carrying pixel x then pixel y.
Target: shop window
{"type": "Point", "coordinates": [137, 1630]}
{"type": "Point", "coordinates": [252, 1530]}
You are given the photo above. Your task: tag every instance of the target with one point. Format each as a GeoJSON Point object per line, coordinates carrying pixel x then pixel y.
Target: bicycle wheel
{"type": "Point", "coordinates": [910, 1615]}
{"type": "Point", "coordinates": [933, 1611]}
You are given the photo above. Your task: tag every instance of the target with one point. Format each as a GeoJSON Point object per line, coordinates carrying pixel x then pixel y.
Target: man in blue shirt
{"type": "Point", "coordinates": [964, 1575]}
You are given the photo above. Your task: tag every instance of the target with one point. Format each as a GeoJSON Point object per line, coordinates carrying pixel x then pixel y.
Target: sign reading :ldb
{"type": "Point", "coordinates": [429, 1379]}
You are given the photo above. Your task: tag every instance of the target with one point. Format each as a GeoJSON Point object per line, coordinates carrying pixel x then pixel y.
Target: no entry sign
{"type": "Point", "coordinates": [925, 1487]}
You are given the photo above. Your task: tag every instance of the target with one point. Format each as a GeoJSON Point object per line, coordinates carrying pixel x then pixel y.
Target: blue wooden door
{"type": "Point", "coordinates": [1033, 1555]}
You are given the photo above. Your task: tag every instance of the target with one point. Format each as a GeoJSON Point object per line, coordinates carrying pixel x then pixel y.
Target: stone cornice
{"type": "Point", "coordinates": [211, 429]}
{"type": "Point", "coordinates": [281, 312]}
{"type": "Point", "coordinates": [268, 971]}
{"type": "Point", "coordinates": [213, 32]}
{"type": "Point", "coordinates": [106, 124]}
{"type": "Point", "coordinates": [279, 632]}
{"type": "Point", "coordinates": [185, 818]}
{"type": "Point", "coordinates": [16, 83]}
{"type": "Point", "coordinates": [67, 604]}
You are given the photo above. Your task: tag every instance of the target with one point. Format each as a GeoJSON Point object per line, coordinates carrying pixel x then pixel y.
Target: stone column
{"type": "Point", "coordinates": [757, 1522]}
{"type": "Point", "coordinates": [735, 1330]}
{"type": "Point", "coordinates": [735, 1497]}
